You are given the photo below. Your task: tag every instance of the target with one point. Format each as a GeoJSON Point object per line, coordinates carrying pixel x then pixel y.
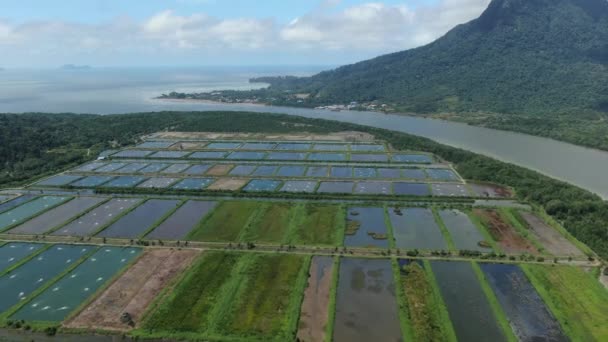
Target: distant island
{"type": "Point", "coordinates": [76, 67]}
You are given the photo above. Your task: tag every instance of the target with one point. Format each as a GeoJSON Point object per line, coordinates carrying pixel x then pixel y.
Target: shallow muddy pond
{"type": "Point", "coordinates": [314, 311]}
{"type": "Point", "coordinates": [366, 305]}
{"type": "Point", "coordinates": [465, 234]}
{"type": "Point", "coordinates": [365, 227]}
{"type": "Point", "coordinates": [470, 312]}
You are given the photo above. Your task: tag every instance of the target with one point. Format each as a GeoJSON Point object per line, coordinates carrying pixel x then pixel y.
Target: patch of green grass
{"type": "Point", "coordinates": [576, 299]}
{"type": "Point", "coordinates": [187, 308]}
{"type": "Point", "coordinates": [320, 224]}
{"type": "Point", "coordinates": [444, 230]}
{"type": "Point", "coordinates": [501, 317]}
{"type": "Point", "coordinates": [272, 223]}
{"type": "Point", "coordinates": [422, 307]}
{"type": "Point", "coordinates": [441, 309]}
{"type": "Point", "coordinates": [267, 305]}
{"type": "Point", "coordinates": [225, 222]}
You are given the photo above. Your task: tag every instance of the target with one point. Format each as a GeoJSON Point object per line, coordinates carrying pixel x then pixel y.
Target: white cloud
{"type": "Point", "coordinates": [367, 29]}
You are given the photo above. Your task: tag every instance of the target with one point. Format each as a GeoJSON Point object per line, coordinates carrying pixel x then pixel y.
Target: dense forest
{"type": "Point", "coordinates": [32, 145]}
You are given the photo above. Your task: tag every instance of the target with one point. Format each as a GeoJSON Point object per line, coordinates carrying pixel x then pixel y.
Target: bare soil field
{"type": "Point", "coordinates": [134, 290]}
{"type": "Point", "coordinates": [490, 190]}
{"type": "Point", "coordinates": [339, 136]}
{"type": "Point", "coordinates": [187, 146]}
{"type": "Point", "coordinates": [220, 170]}
{"type": "Point", "coordinates": [551, 239]}
{"type": "Point", "coordinates": [506, 235]}
{"type": "Point", "coordinates": [228, 184]}
{"type": "Point", "coordinates": [314, 311]}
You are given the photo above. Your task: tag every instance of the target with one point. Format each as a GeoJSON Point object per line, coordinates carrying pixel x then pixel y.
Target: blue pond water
{"type": "Point", "coordinates": [383, 188]}
{"type": "Point", "coordinates": [242, 170]}
{"type": "Point", "coordinates": [223, 145]}
{"type": "Point", "coordinates": [154, 167]}
{"type": "Point", "coordinates": [169, 154]}
{"type": "Point", "coordinates": [365, 172]}
{"type": "Point", "coordinates": [257, 146]}
{"type": "Point", "coordinates": [414, 173]}
{"type": "Point", "coordinates": [285, 156]}
{"type": "Point", "coordinates": [59, 180]}
{"type": "Point", "coordinates": [330, 147]}
{"type": "Point", "coordinates": [336, 187]}
{"type": "Point", "coordinates": [367, 147]}
{"type": "Point", "coordinates": [265, 170]}
{"type": "Point", "coordinates": [317, 171]}
{"type": "Point", "coordinates": [369, 220]}
{"type": "Point", "coordinates": [291, 171]}
{"type": "Point", "coordinates": [208, 155]}
{"type": "Point", "coordinates": [262, 185]}
{"type": "Point", "coordinates": [299, 186]}
{"type": "Point", "coordinates": [156, 144]}
{"type": "Point", "coordinates": [92, 181]}
{"type": "Point", "coordinates": [197, 169]}
{"type": "Point", "coordinates": [411, 189]}
{"type": "Point", "coordinates": [327, 156]}
{"type": "Point", "coordinates": [341, 172]}
{"type": "Point", "coordinates": [412, 158]}
{"type": "Point", "coordinates": [361, 157]}
{"type": "Point", "coordinates": [442, 174]}
{"type": "Point", "coordinates": [193, 183]}
{"type": "Point", "coordinates": [247, 155]}
{"type": "Point", "coordinates": [125, 182]}
{"type": "Point", "coordinates": [294, 147]}
{"type": "Point", "coordinates": [389, 173]}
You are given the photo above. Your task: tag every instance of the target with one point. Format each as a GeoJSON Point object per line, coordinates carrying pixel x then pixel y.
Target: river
{"type": "Point", "coordinates": [105, 91]}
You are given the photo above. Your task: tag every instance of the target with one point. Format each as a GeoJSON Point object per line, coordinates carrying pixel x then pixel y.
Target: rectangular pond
{"type": "Point", "coordinates": [417, 174]}
{"type": "Point", "coordinates": [389, 173]}
{"type": "Point", "coordinates": [208, 155]}
{"type": "Point", "coordinates": [411, 189]}
{"type": "Point", "coordinates": [463, 231]}
{"type": "Point", "coordinates": [15, 202]}
{"type": "Point", "coordinates": [61, 298]}
{"type": "Point", "coordinates": [186, 218]}
{"type": "Point", "coordinates": [169, 154]}
{"type": "Point", "coordinates": [247, 155]}
{"type": "Point", "coordinates": [373, 188]}
{"type": "Point", "coordinates": [317, 171]}
{"type": "Point", "coordinates": [367, 147]}
{"type": "Point", "coordinates": [527, 314]}
{"type": "Point", "coordinates": [57, 216]}
{"type": "Point", "coordinates": [262, 185]}
{"type": "Point", "coordinates": [317, 156]}
{"type": "Point", "coordinates": [291, 171]}
{"type": "Point", "coordinates": [416, 228]}
{"type": "Point", "coordinates": [367, 157]}
{"type": "Point", "coordinates": [366, 227]}
{"type": "Point", "coordinates": [138, 221]}
{"type": "Point", "coordinates": [365, 172]}
{"type": "Point", "coordinates": [299, 186]}
{"type": "Point", "coordinates": [59, 180]}
{"type": "Point", "coordinates": [156, 144]}
{"type": "Point", "coordinates": [242, 170]}
{"type": "Point", "coordinates": [470, 312]}
{"type": "Point", "coordinates": [110, 167]}
{"type": "Point", "coordinates": [158, 183]}
{"type": "Point", "coordinates": [124, 182]}
{"type": "Point", "coordinates": [25, 211]}
{"type": "Point", "coordinates": [198, 169]}
{"type": "Point", "coordinates": [330, 147]}
{"type": "Point", "coordinates": [336, 187]}
{"type": "Point", "coordinates": [366, 305]}
{"type": "Point", "coordinates": [154, 168]}
{"type": "Point", "coordinates": [442, 174]}
{"type": "Point", "coordinates": [132, 154]}
{"type": "Point", "coordinates": [412, 158]}
{"type": "Point", "coordinates": [90, 166]}
{"type": "Point", "coordinates": [132, 167]}
{"type": "Point", "coordinates": [193, 183]}
{"type": "Point", "coordinates": [450, 190]}
{"type": "Point", "coordinates": [265, 170]}
{"type": "Point", "coordinates": [285, 156]}
{"type": "Point", "coordinates": [315, 309]}
{"type": "Point", "coordinates": [294, 147]}
{"type": "Point", "coordinates": [92, 181]}
{"type": "Point", "coordinates": [176, 168]}
{"type": "Point", "coordinates": [341, 172]}
{"type": "Point", "coordinates": [257, 146]}
{"type": "Point", "coordinates": [223, 145]}
{"type": "Point", "coordinates": [97, 218]}
{"type": "Point", "coordinates": [20, 283]}
{"type": "Point", "coordinates": [13, 252]}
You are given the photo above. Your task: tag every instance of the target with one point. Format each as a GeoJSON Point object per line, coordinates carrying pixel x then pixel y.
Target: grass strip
{"type": "Point", "coordinates": [407, 329]}
{"type": "Point", "coordinates": [389, 229]}
{"type": "Point", "coordinates": [483, 230]}
{"type": "Point", "coordinates": [444, 230]}
{"type": "Point", "coordinates": [442, 309]}
{"type": "Point", "coordinates": [499, 314]}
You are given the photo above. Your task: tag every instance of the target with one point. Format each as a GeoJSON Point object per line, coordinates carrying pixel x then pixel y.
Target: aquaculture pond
{"type": "Point", "coordinates": [13, 252]}
{"type": "Point", "coordinates": [124, 182]}
{"type": "Point", "coordinates": [154, 167]}
{"type": "Point", "coordinates": [376, 188]}
{"type": "Point", "coordinates": [257, 146]}
{"type": "Point", "coordinates": [285, 156]}
{"type": "Point", "coordinates": [416, 228]}
{"type": "Point", "coordinates": [223, 145]}
{"type": "Point", "coordinates": [247, 155]}
{"type": "Point", "coordinates": [367, 147]}
{"type": "Point", "coordinates": [528, 316]}
{"type": "Point", "coordinates": [59, 180]}
{"type": "Point", "coordinates": [412, 158]}
{"type": "Point", "coordinates": [317, 171]}
{"type": "Point", "coordinates": [91, 181]}
{"type": "Point", "coordinates": [97, 218]}
{"type": "Point", "coordinates": [367, 157]}
{"type": "Point", "coordinates": [242, 170]}
{"type": "Point", "coordinates": [132, 167]}
{"type": "Point", "coordinates": [142, 218]}
{"type": "Point", "coordinates": [132, 154]}
{"type": "Point", "coordinates": [365, 172]}
{"type": "Point", "coordinates": [193, 183]}
{"type": "Point", "coordinates": [262, 185]}
{"type": "Point", "coordinates": [156, 144]}
{"type": "Point", "coordinates": [411, 189]}
{"type": "Point", "coordinates": [417, 174]}
{"type": "Point", "coordinates": [180, 223]}
{"type": "Point", "coordinates": [294, 147]}
{"type": "Point", "coordinates": [366, 305]}
{"type": "Point", "coordinates": [336, 187]}
{"type": "Point", "coordinates": [17, 285]}
{"type": "Point", "coordinates": [450, 190]}
{"type": "Point", "coordinates": [265, 170]}
{"type": "Point", "coordinates": [90, 166]}
{"type": "Point", "coordinates": [341, 172]}
{"type": "Point", "coordinates": [291, 171]}
{"type": "Point", "coordinates": [23, 212]}
{"type": "Point", "coordinates": [57, 216]}
{"type": "Point", "coordinates": [176, 168]}
{"type": "Point", "coordinates": [470, 312]}
{"type": "Point", "coordinates": [61, 298]}
{"type": "Point", "coordinates": [197, 169]}
{"type": "Point", "coordinates": [299, 186]}
{"type": "Point", "coordinates": [15, 202]}
{"type": "Point", "coordinates": [208, 155]}
{"type": "Point", "coordinates": [389, 173]}
{"type": "Point", "coordinates": [327, 156]}
{"type": "Point", "coordinates": [169, 154]}
{"type": "Point", "coordinates": [365, 227]}
{"type": "Point", "coordinates": [442, 174]}
{"type": "Point", "coordinates": [463, 231]}
{"type": "Point", "coordinates": [158, 182]}
{"type": "Point", "coordinates": [330, 147]}
{"type": "Point", "coordinates": [315, 306]}
{"type": "Point", "coordinates": [110, 167]}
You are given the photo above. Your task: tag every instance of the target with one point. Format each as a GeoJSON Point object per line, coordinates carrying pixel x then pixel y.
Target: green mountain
{"type": "Point", "coordinates": [545, 57]}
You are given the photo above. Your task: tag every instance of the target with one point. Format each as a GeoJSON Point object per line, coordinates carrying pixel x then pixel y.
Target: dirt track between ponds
{"type": "Point", "coordinates": [134, 290]}
{"type": "Point", "coordinates": [506, 236]}
{"type": "Point", "coordinates": [314, 312]}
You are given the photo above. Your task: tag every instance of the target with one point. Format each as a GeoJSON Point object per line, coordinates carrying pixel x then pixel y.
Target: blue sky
{"type": "Point", "coordinates": [213, 32]}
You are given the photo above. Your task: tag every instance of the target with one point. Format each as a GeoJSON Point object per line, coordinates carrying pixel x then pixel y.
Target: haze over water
{"type": "Point", "coordinates": [106, 91]}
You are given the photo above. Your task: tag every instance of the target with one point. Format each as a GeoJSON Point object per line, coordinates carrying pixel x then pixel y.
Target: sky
{"type": "Point", "coordinates": [43, 33]}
